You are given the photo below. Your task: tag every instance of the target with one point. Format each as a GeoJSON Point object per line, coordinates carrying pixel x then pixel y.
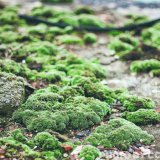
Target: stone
{"type": "Point", "coordinates": [12, 92]}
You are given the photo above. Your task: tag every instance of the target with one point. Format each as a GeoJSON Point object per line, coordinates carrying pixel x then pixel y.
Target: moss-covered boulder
{"type": "Point", "coordinates": [143, 116]}
{"type": "Point", "coordinates": [12, 92]}
{"type": "Point", "coordinates": [119, 133]}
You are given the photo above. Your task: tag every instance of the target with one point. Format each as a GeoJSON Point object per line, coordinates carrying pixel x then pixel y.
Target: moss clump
{"type": "Point", "coordinates": [42, 101]}
{"type": "Point", "coordinates": [66, 19]}
{"type": "Point", "coordinates": [9, 37]}
{"type": "Point", "coordinates": [155, 73]}
{"type": "Point", "coordinates": [151, 36]}
{"type": "Point", "coordinates": [12, 92]}
{"type": "Point", "coordinates": [90, 38]}
{"type": "Point", "coordinates": [18, 136]}
{"type": "Point", "coordinates": [133, 103]}
{"type": "Point", "coordinates": [69, 39]}
{"type": "Point", "coordinates": [142, 117]}
{"type": "Point", "coordinates": [10, 66]}
{"type": "Point", "coordinates": [41, 146]}
{"type": "Point", "coordinates": [86, 20]}
{"type": "Point", "coordinates": [46, 141]}
{"type": "Point", "coordinates": [42, 120]}
{"type": "Point", "coordinates": [83, 10]}
{"type": "Point", "coordinates": [145, 65]}
{"type": "Point", "coordinates": [89, 153]}
{"type": "Point", "coordinates": [118, 133]}
{"type": "Point", "coordinates": [96, 90]}
{"type": "Point", "coordinates": [126, 47]}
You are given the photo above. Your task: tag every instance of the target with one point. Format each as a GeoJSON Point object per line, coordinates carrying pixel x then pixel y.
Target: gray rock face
{"type": "Point", "coordinates": [12, 91]}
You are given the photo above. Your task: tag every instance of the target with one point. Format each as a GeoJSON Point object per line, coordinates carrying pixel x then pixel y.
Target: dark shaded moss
{"type": "Point", "coordinates": [83, 10]}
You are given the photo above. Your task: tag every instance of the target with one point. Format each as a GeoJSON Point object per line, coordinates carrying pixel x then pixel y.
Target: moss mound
{"type": "Point", "coordinates": [89, 153]}
{"type": "Point", "coordinates": [145, 65]}
{"type": "Point", "coordinates": [118, 133]}
{"type": "Point", "coordinates": [142, 117]}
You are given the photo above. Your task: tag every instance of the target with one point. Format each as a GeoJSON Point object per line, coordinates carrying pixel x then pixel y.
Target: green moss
{"type": "Point", "coordinates": [18, 136]}
{"type": "Point", "coordinates": [47, 146]}
{"type": "Point", "coordinates": [151, 36]}
{"type": "Point", "coordinates": [40, 29]}
{"type": "Point", "coordinates": [89, 153]}
{"type": "Point", "coordinates": [96, 90]}
{"type": "Point", "coordinates": [126, 47]}
{"type": "Point", "coordinates": [42, 101]}
{"type": "Point", "coordinates": [83, 10]}
{"type": "Point", "coordinates": [118, 133]}
{"type": "Point", "coordinates": [133, 103]}
{"type": "Point", "coordinates": [46, 141]}
{"type": "Point", "coordinates": [66, 19]}
{"type": "Point", "coordinates": [13, 37]}
{"type": "Point", "coordinates": [133, 18]}
{"type": "Point", "coordinates": [69, 39]}
{"type": "Point", "coordinates": [90, 38]}
{"type": "Point", "coordinates": [155, 73]}
{"type": "Point", "coordinates": [10, 66]}
{"type": "Point", "coordinates": [142, 117]}
{"type": "Point", "coordinates": [86, 20]}
{"type": "Point", "coordinates": [145, 65]}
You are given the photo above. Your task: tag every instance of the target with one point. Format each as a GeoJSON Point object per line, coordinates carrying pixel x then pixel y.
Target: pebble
{"type": "Point", "coordinates": [130, 150]}
{"type": "Point", "coordinates": [65, 155]}
{"type": "Point", "coordinates": [138, 145]}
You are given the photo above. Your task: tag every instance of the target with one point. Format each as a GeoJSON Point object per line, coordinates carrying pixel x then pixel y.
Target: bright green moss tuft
{"type": "Point", "coordinates": [46, 141]}
{"type": "Point", "coordinates": [18, 136]}
{"type": "Point", "coordinates": [118, 133]}
{"type": "Point", "coordinates": [133, 103]}
{"type": "Point", "coordinates": [151, 36]}
{"type": "Point", "coordinates": [90, 38]}
{"type": "Point", "coordinates": [89, 153]}
{"type": "Point", "coordinates": [145, 65]}
{"type": "Point", "coordinates": [143, 117]}
{"type": "Point", "coordinates": [86, 20]}
{"type": "Point", "coordinates": [69, 39]}
{"type": "Point", "coordinates": [42, 101]}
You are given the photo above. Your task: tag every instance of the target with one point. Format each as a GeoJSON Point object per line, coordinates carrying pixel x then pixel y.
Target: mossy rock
{"type": "Point", "coordinates": [143, 116]}
{"type": "Point", "coordinates": [69, 39]}
{"type": "Point", "coordinates": [119, 133]}
{"type": "Point", "coordinates": [12, 92]}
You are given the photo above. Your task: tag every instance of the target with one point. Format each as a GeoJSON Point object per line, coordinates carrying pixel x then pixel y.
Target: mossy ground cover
{"type": "Point", "coordinates": [74, 97]}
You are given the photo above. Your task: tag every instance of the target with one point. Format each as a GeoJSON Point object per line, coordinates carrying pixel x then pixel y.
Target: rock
{"type": "Point", "coordinates": [67, 147]}
{"type": "Point", "coordinates": [138, 145]}
{"type": "Point", "coordinates": [130, 150]}
{"type": "Point", "coordinates": [80, 135]}
{"type": "Point", "coordinates": [145, 151]}
{"type": "Point", "coordinates": [65, 155]}
{"type": "Point", "coordinates": [12, 91]}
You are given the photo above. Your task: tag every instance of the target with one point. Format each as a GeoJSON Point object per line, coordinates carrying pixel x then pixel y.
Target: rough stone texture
{"type": "Point", "coordinates": [12, 91]}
